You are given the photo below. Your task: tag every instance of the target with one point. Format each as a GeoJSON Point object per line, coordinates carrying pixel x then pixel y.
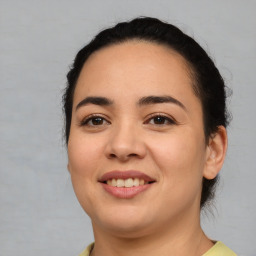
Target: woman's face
{"type": "Point", "coordinates": [136, 120]}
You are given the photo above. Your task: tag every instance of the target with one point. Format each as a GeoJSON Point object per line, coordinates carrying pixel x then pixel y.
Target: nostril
{"type": "Point", "coordinates": [132, 155]}
{"type": "Point", "coordinates": [112, 155]}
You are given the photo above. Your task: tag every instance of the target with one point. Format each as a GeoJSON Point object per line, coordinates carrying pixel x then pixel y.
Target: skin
{"type": "Point", "coordinates": [165, 219]}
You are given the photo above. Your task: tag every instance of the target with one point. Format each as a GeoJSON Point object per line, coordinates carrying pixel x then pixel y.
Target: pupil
{"type": "Point", "coordinates": [159, 120]}
{"type": "Point", "coordinates": [97, 121]}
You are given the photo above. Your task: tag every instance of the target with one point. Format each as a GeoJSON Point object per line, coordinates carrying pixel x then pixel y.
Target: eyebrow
{"type": "Point", "coordinates": [159, 99]}
{"type": "Point", "coordinates": [100, 101]}
{"type": "Point", "coordinates": [148, 100]}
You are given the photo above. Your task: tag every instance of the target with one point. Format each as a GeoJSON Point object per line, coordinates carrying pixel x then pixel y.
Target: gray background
{"type": "Point", "coordinates": [38, 40]}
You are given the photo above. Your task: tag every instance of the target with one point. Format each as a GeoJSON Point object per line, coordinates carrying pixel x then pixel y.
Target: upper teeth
{"type": "Point", "coordinates": [127, 183]}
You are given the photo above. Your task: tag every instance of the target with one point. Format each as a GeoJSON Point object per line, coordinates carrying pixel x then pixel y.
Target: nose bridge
{"type": "Point", "coordinates": [125, 141]}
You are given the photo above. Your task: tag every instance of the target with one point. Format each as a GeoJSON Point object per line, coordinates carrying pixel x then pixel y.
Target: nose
{"type": "Point", "coordinates": [125, 143]}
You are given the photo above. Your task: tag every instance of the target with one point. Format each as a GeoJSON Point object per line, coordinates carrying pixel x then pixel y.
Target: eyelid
{"type": "Point", "coordinates": [86, 119]}
{"type": "Point", "coordinates": [169, 118]}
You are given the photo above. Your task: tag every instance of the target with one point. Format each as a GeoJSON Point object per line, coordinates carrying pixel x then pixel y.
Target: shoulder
{"type": "Point", "coordinates": [87, 251]}
{"type": "Point", "coordinates": [220, 249]}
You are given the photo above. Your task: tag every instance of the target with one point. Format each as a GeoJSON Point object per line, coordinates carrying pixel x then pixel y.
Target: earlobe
{"type": "Point", "coordinates": [216, 152]}
{"type": "Point", "coordinates": [68, 167]}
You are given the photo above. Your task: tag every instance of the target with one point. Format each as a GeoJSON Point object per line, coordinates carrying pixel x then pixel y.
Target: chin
{"type": "Point", "coordinates": [127, 231]}
{"type": "Point", "coordinates": [123, 225]}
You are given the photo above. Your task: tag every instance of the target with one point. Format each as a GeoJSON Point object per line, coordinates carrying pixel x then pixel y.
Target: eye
{"type": "Point", "coordinates": [160, 120]}
{"type": "Point", "coordinates": [93, 121]}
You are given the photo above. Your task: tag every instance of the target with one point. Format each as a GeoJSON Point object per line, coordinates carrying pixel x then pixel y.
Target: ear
{"type": "Point", "coordinates": [68, 167]}
{"type": "Point", "coordinates": [215, 154]}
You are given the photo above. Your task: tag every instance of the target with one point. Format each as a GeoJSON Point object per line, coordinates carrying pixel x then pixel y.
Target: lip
{"type": "Point", "coordinates": [122, 192]}
{"type": "Point", "coordinates": [125, 175]}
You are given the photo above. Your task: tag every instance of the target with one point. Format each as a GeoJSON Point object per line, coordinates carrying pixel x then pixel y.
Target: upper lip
{"type": "Point", "coordinates": [125, 175]}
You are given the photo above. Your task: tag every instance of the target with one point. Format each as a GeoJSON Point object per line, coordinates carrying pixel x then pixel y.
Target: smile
{"type": "Point", "coordinates": [125, 184]}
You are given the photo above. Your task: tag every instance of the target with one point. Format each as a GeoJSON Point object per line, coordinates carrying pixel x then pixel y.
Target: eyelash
{"type": "Point", "coordinates": [167, 120]}
{"type": "Point", "coordinates": [85, 122]}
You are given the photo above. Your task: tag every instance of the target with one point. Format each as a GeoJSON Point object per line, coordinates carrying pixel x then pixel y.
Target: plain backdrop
{"type": "Point", "coordinates": [39, 214]}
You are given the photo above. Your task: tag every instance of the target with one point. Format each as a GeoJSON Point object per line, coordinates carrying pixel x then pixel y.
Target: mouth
{"type": "Point", "coordinates": [126, 184]}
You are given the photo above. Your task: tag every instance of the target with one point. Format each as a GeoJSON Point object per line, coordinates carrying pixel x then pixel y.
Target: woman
{"type": "Point", "coordinates": [146, 135]}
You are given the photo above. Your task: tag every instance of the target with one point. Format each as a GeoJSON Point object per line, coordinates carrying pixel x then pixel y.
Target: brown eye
{"type": "Point", "coordinates": [97, 121]}
{"type": "Point", "coordinates": [160, 120]}
{"type": "Point", "coordinates": [94, 121]}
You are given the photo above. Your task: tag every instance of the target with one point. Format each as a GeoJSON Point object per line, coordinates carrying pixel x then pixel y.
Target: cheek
{"type": "Point", "coordinates": [83, 163]}
{"type": "Point", "coordinates": [180, 161]}
{"type": "Point", "coordinates": [180, 156]}
{"type": "Point", "coordinates": [83, 155]}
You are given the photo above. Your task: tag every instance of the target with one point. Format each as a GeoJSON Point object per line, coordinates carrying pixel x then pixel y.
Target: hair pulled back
{"type": "Point", "coordinates": [208, 84]}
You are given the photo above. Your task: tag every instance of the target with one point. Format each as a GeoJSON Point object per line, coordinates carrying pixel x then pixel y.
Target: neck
{"type": "Point", "coordinates": [188, 239]}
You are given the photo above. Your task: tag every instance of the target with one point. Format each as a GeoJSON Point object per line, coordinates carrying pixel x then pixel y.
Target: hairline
{"type": "Point", "coordinates": [188, 67]}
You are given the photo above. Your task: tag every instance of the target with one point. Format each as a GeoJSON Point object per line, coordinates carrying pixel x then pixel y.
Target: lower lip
{"type": "Point", "coordinates": [125, 193]}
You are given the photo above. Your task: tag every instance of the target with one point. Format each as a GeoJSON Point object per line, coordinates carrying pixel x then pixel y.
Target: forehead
{"type": "Point", "coordinates": [135, 66]}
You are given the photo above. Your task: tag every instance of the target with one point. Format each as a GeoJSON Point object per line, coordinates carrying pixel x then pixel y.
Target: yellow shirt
{"type": "Point", "coordinates": [219, 249]}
